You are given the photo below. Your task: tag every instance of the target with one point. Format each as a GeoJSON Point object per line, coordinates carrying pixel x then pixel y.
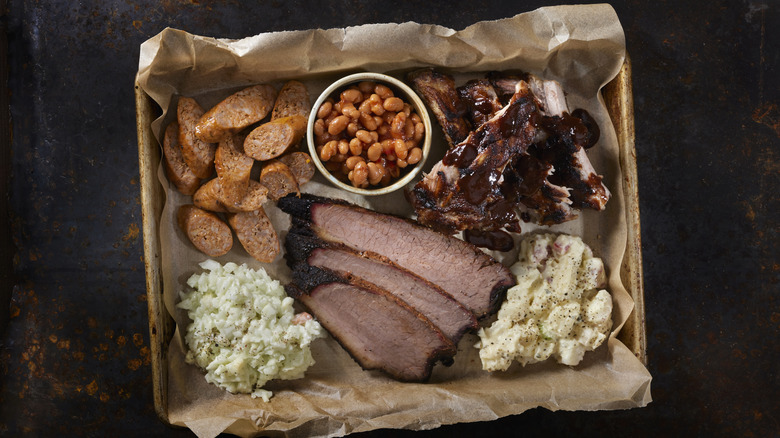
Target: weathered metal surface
{"type": "Point", "coordinates": [75, 355]}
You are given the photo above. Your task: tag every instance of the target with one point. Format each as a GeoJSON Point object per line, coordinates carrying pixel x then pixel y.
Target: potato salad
{"type": "Point", "coordinates": [557, 309]}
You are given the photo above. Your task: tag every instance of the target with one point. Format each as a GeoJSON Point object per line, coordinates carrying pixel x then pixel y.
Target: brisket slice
{"type": "Point", "coordinates": [452, 318]}
{"type": "Point", "coordinates": [378, 330]}
{"type": "Point", "coordinates": [472, 277]}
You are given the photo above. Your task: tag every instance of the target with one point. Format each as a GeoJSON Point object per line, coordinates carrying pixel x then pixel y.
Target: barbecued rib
{"type": "Point", "coordinates": [465, 190]}
{"type": "Point", "coordinates": [480, 99]}
{"type": "Point", "coordinates": [452, 318]}
{"type": "Point", "coordinates": [569, 136]}
{"type": "Point", "coordinates": [439, 93]}
{"type": "Point", "coordinates": [482, 181]}
{"type": "Point", "coordinates": [377, 329]}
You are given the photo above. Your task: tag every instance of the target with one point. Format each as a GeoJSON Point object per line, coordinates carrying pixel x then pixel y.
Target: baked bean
{"type": "Point", "coordinates": [319, 127]}
{"type": "Point", "coordinates": [383, 91]}
{"type": "Point", "coordinates": [363, 136]}
{"type": "Point", "coordinates": [365, 107]}
{"type": "Point", "coordinates": [343, 147]}
{"type": "Point", "coordinates": [375, 173]}
{"type": "Point", "coordinates": [368, 122]}
{"type": "Point", "coordinates": [377, 109]}
{"type": "Point", "coordinates": [374, 152]}
{"type": "Point", "coordinates": [351, 95]}
{"type": "Point", "coordinates": [366, 87]}
{"type": "Point", "coordinates": [366, 135]}
{"type": "Point", "coordinates": [419, 132]}
{"type": "Point", "coordinates": [408, 129]}
{"type": "Point", "coordinates": [325, 109]}
{"type": "Point", "coordinates": [399, 147]}
{"type": "Point", "coordinates": [355, 146]}
{"type": "Point", "coordinates": [359, 174]}
{"type": "Point", "coordinates": [397, 126]}
{"type": "Point", "coordinates": [387, 146]}
{"type": "Point", "coordinates": [352, 128]}
{"type": "Point", "coordinates": [349, 110]}
{"type": "Point", "coordinates": [415, 155]}
{"type": "Point", "coordinates": [338, 124]}
{"type": "Point", "coordinates": [393, 104]}
{"type": "Point", "coordinates": [328, 150]}
{"type": "Point", "coordinates": [353, 160]}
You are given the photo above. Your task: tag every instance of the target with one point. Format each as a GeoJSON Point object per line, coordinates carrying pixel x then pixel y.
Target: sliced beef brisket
{"type": "Point", "coordinates": [452, 318]}
{"type": "Point", "coordinates": [378, 330]}
{"type": "Point", "coordinates": [470, 276]}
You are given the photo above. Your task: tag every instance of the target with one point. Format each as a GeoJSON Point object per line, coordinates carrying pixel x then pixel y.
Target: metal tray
{"type": "Point", "coordinates": [619, 100]}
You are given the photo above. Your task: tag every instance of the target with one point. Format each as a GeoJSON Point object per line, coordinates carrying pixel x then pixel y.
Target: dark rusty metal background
{"type": "Point", "coordinates": [74, 354]}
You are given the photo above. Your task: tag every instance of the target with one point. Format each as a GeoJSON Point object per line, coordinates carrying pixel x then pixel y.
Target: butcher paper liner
{"type": "Point", "coordinates": [583, 47]}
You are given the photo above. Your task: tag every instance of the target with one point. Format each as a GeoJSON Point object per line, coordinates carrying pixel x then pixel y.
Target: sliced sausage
{"type": "Point", "coordinates": [205, 230]}
{"type": "Point", "coordinates": [175, 167]}
{"type": "Point", "coordinates": [293, 100]}
{"type": "Point", "coordinates": [254, 199]}
{"type": "Point", "coordinates": [208, 197]}
{"type": "Point", "coordinates": [279, 180]}
{"type": "Point", "coordinates": [301, 166]}
{"type": "Point", "coordinates": [236, 112]}
{"type": "Point", "coordinates": [274, 138]}
{"type": "Point", "coordinates": [198, 154]}
{"type": "Point", "coordinates": [234, 168]}
{"type": "Point", "coordinates": [256, 234]}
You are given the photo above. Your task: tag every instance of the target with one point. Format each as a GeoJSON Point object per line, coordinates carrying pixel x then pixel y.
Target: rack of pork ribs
{"type": "Point", "coordinates": [515, 152]}
{"type": "Point", "coordinates": [396, 295]}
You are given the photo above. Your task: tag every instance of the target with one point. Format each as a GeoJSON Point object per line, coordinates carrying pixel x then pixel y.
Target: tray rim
{"type": "Point", "coordinates": [618, 97]}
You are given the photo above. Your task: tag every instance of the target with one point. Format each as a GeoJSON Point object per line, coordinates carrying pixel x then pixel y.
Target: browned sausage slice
{"type": "Point", "coordinates": [256, 234]}
{"type": "Point", "coordinates": [177, 170]}
{"type": "Point", "coordinates": [208, 197]}
{"type": "Point", "coordinates": [205, 230]}
{"type": "Point", "coordinates": [198, 154]}
{"type": "Point", "coordinates": [279, 180]}
{"type": "Point", "coordinates": [254, 199]}
{"type": "Point", "coordinates": [274, 138]}
{"type": "Point", "coordinates": [236, 112]}
{"type": "Point", "coordinates": [301, 166]}
{"type": "Point", "coordinates": [293, 100]}
{"type": "Point", "coordinates": [233, 171]}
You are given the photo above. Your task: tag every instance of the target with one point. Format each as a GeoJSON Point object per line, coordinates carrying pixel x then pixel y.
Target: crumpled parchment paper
{"type": "Point", "coordinates": [581, 46]}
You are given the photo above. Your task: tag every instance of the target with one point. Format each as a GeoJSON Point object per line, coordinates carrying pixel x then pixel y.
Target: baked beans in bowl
{"type": "Point", "coordinates": [368, 133]}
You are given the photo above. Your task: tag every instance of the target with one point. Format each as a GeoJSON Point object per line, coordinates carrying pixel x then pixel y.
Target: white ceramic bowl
{"type": "Point", "coordinates": [408, 95]}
